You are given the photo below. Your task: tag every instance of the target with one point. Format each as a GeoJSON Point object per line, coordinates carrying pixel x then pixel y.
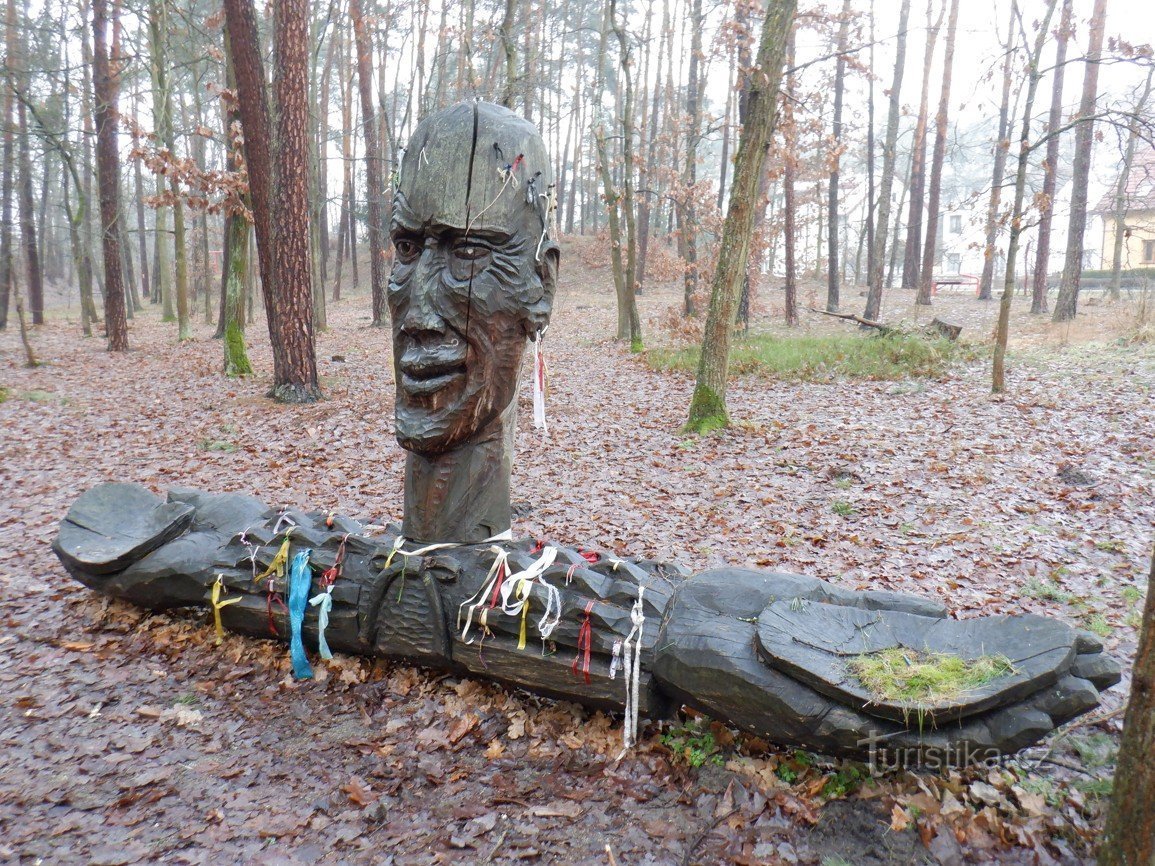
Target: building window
{"type": "Point", "coordinates": [1148, 252]}
{"type": "Point", "coordinates": [953, 263]}
{"type": "Point", "coordinates": [956, 224]}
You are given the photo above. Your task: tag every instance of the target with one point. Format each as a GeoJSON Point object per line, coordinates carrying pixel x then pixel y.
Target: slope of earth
{"type": "Point", "coordinates": [130, 737]}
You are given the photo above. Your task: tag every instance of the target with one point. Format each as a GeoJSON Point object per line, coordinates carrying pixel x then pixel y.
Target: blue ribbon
{"type": "Point", "coordinates": [299, 582]}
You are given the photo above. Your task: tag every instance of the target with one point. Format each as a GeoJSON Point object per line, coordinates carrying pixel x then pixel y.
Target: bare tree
{"type": "Point", "coordinates": [1002, 329]}
{"type": "Point", "coordinates": [104, 87]}
{"type": "Point", "coordinates": [708, 405]}
{"type": "Point", "coordinates": [999, 168]}
{"type": "Point", "coordinates": [832, 215]}
{"type": "Point", "coordinates": [1051, 166]}
{"type": "Point", "coordinates": [912, 255]}
{"type": "Point", "coordinates": [1120, 209]}
{"type": "Point", "coordinates": [926, 277]}
{"type": "Point", "coordinates": [374, 176]}
{"type": "Point", "coordinates": [878, 254]}
{"type": "Point", "coordinates": [1067, 301]}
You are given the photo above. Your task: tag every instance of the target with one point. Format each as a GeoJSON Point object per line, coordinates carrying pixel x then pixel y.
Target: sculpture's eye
{"type": "Point", "coordinates": [470, 252]}
{"type": "Point", "coordinates": [407, 249]}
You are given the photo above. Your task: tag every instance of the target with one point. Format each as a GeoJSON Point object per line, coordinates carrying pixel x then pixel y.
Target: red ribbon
{"type": "Point", "coordinates": [497, 586]}
{"type": "Point", "coordinates": [329, 575]}
{"type": "Point", "coordinates": [537, 548]}
{"type": "Point", "coordinates": [271, 598]}
{"type": "Point", "coordinates": [589, 556]}
{"type": "Point", "coordinates": [585, 639]}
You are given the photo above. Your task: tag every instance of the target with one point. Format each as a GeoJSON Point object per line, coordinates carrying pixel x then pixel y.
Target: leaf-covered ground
{"type": "Point", "coordinates": [130, 737]}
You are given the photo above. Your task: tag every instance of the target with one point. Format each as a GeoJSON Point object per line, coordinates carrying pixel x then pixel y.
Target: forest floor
{"type": "Point", "coordinates": [129, 737]}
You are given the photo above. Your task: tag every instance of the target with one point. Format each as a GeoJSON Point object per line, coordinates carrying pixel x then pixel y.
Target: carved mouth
{"type": "Point", "coordinates": [426, 370]}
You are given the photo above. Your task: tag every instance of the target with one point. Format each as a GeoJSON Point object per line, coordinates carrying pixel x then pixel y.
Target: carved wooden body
{"type": "Point", "coordinates": [705, 640]}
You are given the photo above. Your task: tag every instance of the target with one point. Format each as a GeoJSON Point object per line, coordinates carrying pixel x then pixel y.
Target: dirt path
{"type": "Point", "coordinates": [130, 738]}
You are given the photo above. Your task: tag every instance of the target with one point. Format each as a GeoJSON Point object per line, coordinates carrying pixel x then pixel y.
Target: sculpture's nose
{"type": "Point", "coordinates": [424, 313]}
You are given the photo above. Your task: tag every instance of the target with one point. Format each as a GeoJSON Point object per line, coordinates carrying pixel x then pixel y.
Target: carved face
{"type": "Point", "coordinates": [473, 275]}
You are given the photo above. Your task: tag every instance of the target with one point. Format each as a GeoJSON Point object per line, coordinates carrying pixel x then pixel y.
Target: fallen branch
{"type": "Point", "coordinates": [851, 317]}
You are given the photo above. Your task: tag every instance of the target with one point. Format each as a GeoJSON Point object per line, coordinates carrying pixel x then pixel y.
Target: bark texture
{"type": "Point", "coordinates": [108, 179]}
{"type": "Point", "coordinates": [878, 248]}
{"type": "Point", "coordinates": [1068, 299]}
{"type": "Point", "coordinates": [374, 175]}
{"type": "Point", "coordinates": [1050, 166]}
{"type": "Point", "coordinates": [708, 405]}
{"type": "Point", "coordinates": [296, 382]}
{"type": "Point", "coordinates": [1129, 837]}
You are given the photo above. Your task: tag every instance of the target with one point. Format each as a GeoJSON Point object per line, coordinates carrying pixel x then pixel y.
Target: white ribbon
{"type": "Point", "coordinates": [539, 384]}
{"type": "Point", "coordinates": [324, 603]}
{"type": "Point", "coordinates": [478, 599]}
{"type": "Point", "coordinates": [632, 653]}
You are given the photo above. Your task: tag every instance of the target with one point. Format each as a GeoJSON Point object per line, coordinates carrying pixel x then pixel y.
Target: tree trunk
{"type": "Point", "coordinates": [1068, 299]}
{"type": "Point", "coordinates": [28, 222]}
{"type": "Point", "coordinates": [374, 177]}
{"type": "Point", "coordinates": [999, 169]}
{"type": "Point", "coordinates": [294, 326]}
{"type": "Point", "coordinates": [633, 330]}
{"type": "Point", "coordinates": [832, 215]}
{"type": "Point", "coordinates": [509, 46]}
{"type": "Point", "coordinates": [7, 184]}
{"type": "Point", "coordinates": [1120, 211]}
{"type": "Point", "coordinates": [1002, 329]}
{"type": "Point", "coordinates": [108, 179]}
{"type": "Point", "coordinates": [912, 255]}
{"type": "Point", "coordinates": [789, 205]}
{"type": "Point", "coordinates": [708, 405]}
{"type": "Point", "coordinates": [141, 233]}
{"type": "Point", "coordinates": [878, 254]}
{"type": "Point", "coordinates": [926, 282]}
{"type": "Point", "coordinates": [686, 211]}
{"type": "Point", "coordinates": [1129, 835]}
{"type": "Point", "coordinates": [1050, 167]}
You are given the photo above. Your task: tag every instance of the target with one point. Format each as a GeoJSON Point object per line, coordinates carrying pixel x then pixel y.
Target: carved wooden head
{"type": "Point", "coordinates": [474, 273]}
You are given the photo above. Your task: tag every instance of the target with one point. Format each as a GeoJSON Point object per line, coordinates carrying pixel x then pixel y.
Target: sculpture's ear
{"type": "Point", "coordinates": [546, 269]}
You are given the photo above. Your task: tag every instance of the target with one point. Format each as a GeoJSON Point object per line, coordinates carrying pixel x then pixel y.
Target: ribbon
{"type": "Point", "coordinates": [277, 566]}
{"type": "Point", "coordinates": [273, 597]}
{"type": "Point", "coordinates": [299, 580]}
{"type": "Point", "coordinates": [632, 653]}
{"type": "Point", "coordinates": [524, 614]}
{"type": "Point", "coordinates": [468, 607]}
{"type": "Point", "coordinates": [502, 568]}
{"type": "Point", "coordinates": [539, 374]}
{"type": "Point", "coordinates": [585, 639]}
{"type": "Point", "coordinates": [330, 575]}
{"type": "Point", "coordinates": [218, 586]}
{"type": "Point", "coordinates": [323, 601]}
{"type": "Point", "coordinates": [616, 660]}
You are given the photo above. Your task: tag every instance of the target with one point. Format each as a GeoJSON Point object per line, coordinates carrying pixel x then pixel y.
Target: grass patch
{"type": "Point", "coordinates": [822, 358]}
{"type": "Point", "coordinates": [920, 680]}
{"type": "Point", "coordinates": [221, 445]}
{"type": "Point", "coordinates": [842, 508]}
{"type": "Point", "coordinates": [1047, 591]}
{"type": "Point", "coordinates": [694, 744]}
{"type": "Point", "coordinates": [1098, 624]}
{"type": "Point", "coordinates": [3, 394]}
{"type": "Point", "coordinates": [43, 397]}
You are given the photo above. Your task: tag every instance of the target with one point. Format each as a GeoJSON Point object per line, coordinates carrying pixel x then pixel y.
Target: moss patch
{"type": "Point", "coordinates": [924, 679]}
{"type": "Point", "coordinates": [707, 412]}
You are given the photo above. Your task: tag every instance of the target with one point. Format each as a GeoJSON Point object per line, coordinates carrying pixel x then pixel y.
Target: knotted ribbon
{"type": "Point", "coordinates": [218, 587]}
{"type": "Point", "coordinates": [299, 581]}
{"type": "Point", "coordinates": [539, 375]}
{"type": "Point", "coordinates": [585, 641]}
{"type": "Point", "coordinates": [632, 658]}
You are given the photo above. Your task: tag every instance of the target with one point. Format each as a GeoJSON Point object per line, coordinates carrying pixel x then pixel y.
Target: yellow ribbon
{"type": "Point", "coordinates": [280, 561]}
{"type": "Point", "coordinates": [218, 604]}
{"type": "Point", "coordinates": [521, 635]}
